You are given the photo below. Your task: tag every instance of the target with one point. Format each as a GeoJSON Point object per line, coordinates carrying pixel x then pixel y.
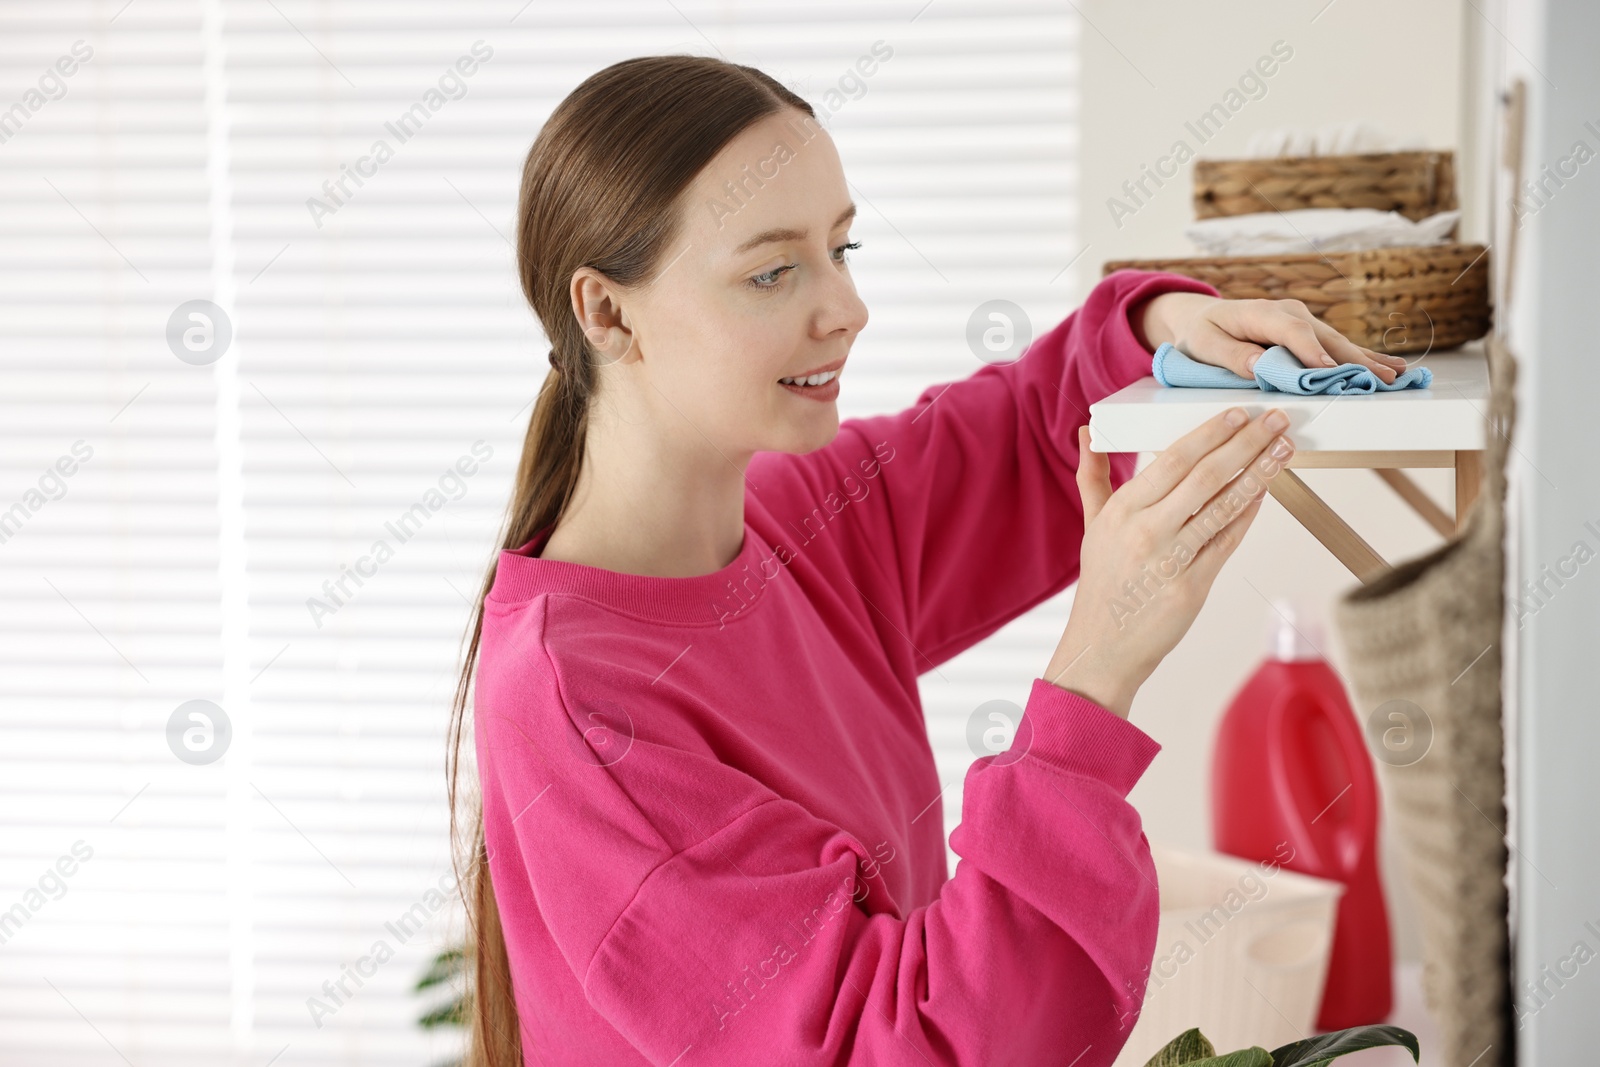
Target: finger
{"type": "Point", "coordinates": [1215, 552]}
{"type": "Point", "coordinates": [1094, 477]}
{"type": "Point", "coordinates": [1240, 357]}
{"type": "Point", "coordinates": [1272, 322]}
{"type": "Point", "coordinates": [1220, 528]}
{"type": "Point", "coordinates": [1397, 361]}
{"type": "Point", "coordinates": [1347, 351]}
{"type": "Point", "coordinates": [1225, 350]}
{"type": "Point", "coordinates": [1341, 348]}
{"type": "Point", "coordinates": [1313, 342]}
{"type": "Point", "coordinates": [1225, 505]}
{"type": "Point", "coordinates": [1216, 471]}
{"type": "Point", "coordinates": [1178, 459]}
{"type": "Point", "coordinates": [1248, 353]}
{"type": "Point", "coordinates": [1302, 339]}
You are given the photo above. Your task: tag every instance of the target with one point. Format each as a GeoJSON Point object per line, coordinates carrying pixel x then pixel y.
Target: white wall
{"type": "Point", "coordinates": [1397, 66]}
{"type": "Point", "coordinates": [1554, 489]}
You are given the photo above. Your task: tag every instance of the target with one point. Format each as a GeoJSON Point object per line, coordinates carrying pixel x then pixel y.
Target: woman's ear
{"type": "Point", "coordinates": [597, 305]}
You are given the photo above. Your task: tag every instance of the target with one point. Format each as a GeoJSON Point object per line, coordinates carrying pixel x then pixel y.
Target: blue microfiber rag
{"type": "Point", "coordinates": [1278, 371]}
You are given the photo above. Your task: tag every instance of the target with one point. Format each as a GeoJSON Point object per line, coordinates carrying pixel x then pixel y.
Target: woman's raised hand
{"type": "Point", "coordinates": [1232, 334]}
{"type": "Point", "coordinates": [1152, 548]}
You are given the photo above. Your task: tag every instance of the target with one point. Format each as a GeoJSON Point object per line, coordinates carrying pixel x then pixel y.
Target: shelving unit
{"type": "Point", "coordinates": [1388, 433]}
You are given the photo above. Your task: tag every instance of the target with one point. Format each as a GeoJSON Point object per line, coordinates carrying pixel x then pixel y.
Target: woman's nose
{"type": "Point", "coordinates": [844, 309]}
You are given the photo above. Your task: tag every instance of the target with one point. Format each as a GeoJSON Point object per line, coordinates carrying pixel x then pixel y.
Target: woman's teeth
{"type": "Point", "coordinates": [812, 379]}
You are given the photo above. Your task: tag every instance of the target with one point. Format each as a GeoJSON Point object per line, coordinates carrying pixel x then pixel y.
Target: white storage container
{"type": "Point", "coordinates": [1242, 953]}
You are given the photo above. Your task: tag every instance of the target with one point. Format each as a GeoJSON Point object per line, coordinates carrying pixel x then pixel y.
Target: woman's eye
{"type": "Point", "coordinates": [772, 279]}
{"type": "Point", "coordinates": [769, 279]}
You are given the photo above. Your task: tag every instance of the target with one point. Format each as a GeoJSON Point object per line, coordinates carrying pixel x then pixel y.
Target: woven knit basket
{"type": "Point", "coordinates": [1423, 644]}
{"type": "Point", "coordinates": [1415, 298]}
{"type": "Point", "coordinates": [1416, 184]}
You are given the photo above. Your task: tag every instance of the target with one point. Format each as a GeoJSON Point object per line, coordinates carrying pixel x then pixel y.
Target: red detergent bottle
{"type": "Point", "coordinates": [1291, 767]}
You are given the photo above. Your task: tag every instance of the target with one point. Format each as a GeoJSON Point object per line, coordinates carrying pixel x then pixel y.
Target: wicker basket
{"type": "Point", "coordinates": [1415, 298]}
{"type": "Point", "coordinates": [1415, 184]}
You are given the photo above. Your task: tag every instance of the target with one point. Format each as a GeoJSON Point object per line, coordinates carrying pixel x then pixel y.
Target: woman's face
{"type": "Point", "coordinates": [754, 289]}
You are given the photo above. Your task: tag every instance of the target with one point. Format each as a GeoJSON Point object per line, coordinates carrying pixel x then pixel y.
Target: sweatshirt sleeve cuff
{"type": "Point", "coordinates": [1131, 357]}
{"type": "Point", "coordinates": [1074, 734]}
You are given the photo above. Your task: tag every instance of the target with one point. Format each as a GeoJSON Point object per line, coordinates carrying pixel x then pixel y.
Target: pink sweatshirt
{"type": "Point", "coordinates": [713, 818]}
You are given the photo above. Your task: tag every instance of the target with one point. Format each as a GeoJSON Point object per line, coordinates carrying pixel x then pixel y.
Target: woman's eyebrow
{"type": "Point", "coordinates": [789, 234]}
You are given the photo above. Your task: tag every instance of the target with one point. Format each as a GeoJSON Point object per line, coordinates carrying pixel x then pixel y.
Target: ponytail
{"type": "Point", "coordinates": [601, 188]}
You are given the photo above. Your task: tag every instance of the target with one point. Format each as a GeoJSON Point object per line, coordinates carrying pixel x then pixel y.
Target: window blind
{"type": "Point", "coordinates": [113, 882]}
{"type": "Point", "coordinates": [291, 372]}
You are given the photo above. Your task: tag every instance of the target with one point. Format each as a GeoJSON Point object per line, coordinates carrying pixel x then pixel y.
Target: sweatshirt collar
{"type": "Point", "coordinates": [713, 599]}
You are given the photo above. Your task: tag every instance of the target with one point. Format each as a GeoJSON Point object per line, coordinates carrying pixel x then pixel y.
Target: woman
{"type": "Point", "coordinates": [711, 827]}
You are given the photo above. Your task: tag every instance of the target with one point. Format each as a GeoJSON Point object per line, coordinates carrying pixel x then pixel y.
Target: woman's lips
{"type": "Point", "coordinates": [837, 364]}
{"type": "Point", "coordinates": [828, 390]}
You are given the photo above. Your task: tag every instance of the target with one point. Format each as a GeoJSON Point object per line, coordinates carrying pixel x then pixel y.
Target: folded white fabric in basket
{"type": "Point", "coordinates": [1335, 139]}
{"type": "Point", "coordinates": [1316, 229]}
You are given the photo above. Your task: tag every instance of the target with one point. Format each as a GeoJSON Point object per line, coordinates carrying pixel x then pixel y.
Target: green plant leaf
{"type": "Point", "coordinates": [1254, 1056]}
{"type": "Point", "coordinates": [1322, 1049]}
{"type": "Point", "coordinates": [1187, 1047]}
{"type": "Point", "coordinates": [446, 965]}
{"type": "Point", "coordinates": [454, 1013]}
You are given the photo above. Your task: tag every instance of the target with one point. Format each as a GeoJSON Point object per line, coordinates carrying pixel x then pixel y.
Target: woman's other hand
{"type": "Point", "coordinates": [1152, 548]}
{"type": "Point", "coordinates": [1232, 333]}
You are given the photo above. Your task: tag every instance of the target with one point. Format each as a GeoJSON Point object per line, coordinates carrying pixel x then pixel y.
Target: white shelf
{"type": "Point", "coordinates": [1447, 416]}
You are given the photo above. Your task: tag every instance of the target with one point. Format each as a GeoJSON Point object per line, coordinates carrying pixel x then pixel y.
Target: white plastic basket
{"type": "Point", "coordinates": [1242, 953]}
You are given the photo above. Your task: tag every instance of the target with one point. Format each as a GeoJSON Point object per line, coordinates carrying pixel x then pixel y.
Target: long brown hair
{"type": "Point", "coordinates": [601, 188]}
